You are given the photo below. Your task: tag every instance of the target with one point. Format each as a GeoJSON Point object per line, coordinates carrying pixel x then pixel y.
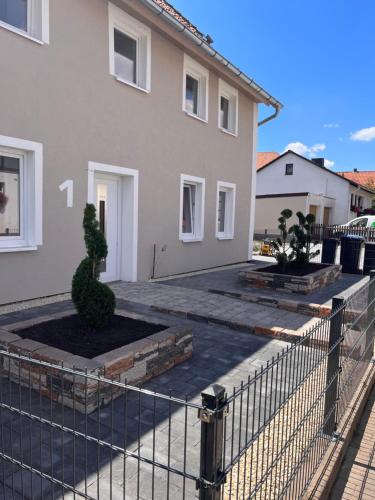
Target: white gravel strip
{"type": "Point", "coordinates": [27, 304]}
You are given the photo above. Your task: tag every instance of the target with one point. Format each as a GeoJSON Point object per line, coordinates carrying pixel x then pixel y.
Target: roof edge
{"type": "Point", "coordinates": [264, 96]}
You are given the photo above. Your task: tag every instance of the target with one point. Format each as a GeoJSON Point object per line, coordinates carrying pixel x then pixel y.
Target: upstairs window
{"type": "Point", "coordinates": [192, 208]}
{"type": "Point", "coordinates": [26, 17]}
{"type": "Point", "coordinates": [125, 56]}
{"type": "Point", "coordinates": [14, 12]}
{"type": "Point", "coordinates": [225, 210]}
{"type": "Point", "coordinates": [228, 108]}
{"type": "Point", "coordinates": [289, 169]}
{"type": "Point", "coordinates": [195, 89]}
{"type": "Point", "coordinates": [130, 49]}
{"type": "Point", "coordinates": [191, 103]}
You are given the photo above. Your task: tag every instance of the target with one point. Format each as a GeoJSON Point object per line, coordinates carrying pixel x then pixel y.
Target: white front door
{"type": "Point", "coordinates": [108, 213]}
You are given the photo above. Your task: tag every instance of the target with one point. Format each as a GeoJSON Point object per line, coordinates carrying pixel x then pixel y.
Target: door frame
{"type": "Point", "coordinates": [129, 185]}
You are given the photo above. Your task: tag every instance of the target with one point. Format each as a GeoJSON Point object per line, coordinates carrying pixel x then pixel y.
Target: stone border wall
{"type": "Point", "coordinates": [292, 284]}
{"type": "Point", "coordinates": [305, 308]}
{"type": "Point", "coordinates": [134, 364]}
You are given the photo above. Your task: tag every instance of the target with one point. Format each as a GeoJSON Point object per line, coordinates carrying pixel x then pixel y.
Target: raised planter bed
{"type": "Point", "coordinates": [135, 363]}
{"type": "Point", "coordinates": [297, 280]}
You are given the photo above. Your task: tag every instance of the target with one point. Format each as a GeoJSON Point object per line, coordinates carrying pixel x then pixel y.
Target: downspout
{"type": "Point", "coordinates": [271, 117]}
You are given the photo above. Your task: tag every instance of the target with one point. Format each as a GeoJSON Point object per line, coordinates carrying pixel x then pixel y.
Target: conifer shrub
{"type": "Point", "coordinates": [95, 302]}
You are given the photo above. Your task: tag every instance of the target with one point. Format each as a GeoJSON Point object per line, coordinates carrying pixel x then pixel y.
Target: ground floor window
{"type": "Point", "coordinates": [225, 211]}
{"type": "Point", "coordinates": [10, 184]}
{"type": "Point", "coordinates": [20, 194]}
{"type": "Point", "coordinates": [192, 208]}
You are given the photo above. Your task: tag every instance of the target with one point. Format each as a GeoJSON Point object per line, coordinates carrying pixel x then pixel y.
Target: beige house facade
{"type": "Point", "coordinates": [126, 105]}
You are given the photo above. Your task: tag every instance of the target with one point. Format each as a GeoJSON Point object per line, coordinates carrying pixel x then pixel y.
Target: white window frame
{"type": "Point", "coordinates": [231, 94]}
{"type": "Point", "coordinates": [121, 21]}
{"type": "Point", "coordinates": [230, 209]}
{"type": "Point", "coordinates": [195, 70]}
{"type": "Point", "coordinates": [200, 186]}
{"type": "Point", "coordinates": [37, 22]}
{"type": "Point", "coordinates": [31, 194]}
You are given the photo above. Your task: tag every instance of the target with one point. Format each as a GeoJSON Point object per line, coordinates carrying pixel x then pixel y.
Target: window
{"type": "Point", "coordinates": [195, 89]}
{"type": "Point", "coordinates": [225, 210]}
{"type": "Point", "coordinates": [29, 18]}
{"type": "Point", "coordinates": [10, 176]}
{"type": "Point", "coordinates": [228, 108]}
{"type": "Point", "coordinates": [125, 56]}
{"type": "Point", "coordinates": [130, 49]}
{"type": "Point", "coordinates": [191, 103]}
{"type": "Point", "coordinates": [192, 208]}
{"type": "Point", "coordinates": [20, 194]}
{"type": "Point", "coordinates": [14, 12]}
{"type": "Point", "coordinates": [289, 169]}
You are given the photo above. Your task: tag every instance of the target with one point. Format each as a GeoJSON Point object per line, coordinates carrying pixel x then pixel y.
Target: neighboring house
{"type": "Point", "coordinates": [363, 177]}
{"type": "Point", "coordinates": [126, 105]}
{"type": "Point", "coordinates": [266, 157]}
{"type": "Point", "coordinates": [293, 181]}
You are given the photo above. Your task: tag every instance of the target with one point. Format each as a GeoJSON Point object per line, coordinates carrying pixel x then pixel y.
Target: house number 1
{"type": "Point", "coordinates": [68, 187]}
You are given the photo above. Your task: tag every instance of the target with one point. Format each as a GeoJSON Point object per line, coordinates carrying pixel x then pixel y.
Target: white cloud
{"type": "Point", "coordinates": [302, 149]}
{"type": "Point", "coordinates": [328, 163]}
{"type": "Point", "coordinates": [331, 125]}
{"type": "Point", "coordinates": [364, 134]}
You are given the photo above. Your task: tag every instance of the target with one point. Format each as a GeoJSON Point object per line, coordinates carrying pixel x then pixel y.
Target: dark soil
{"type": "Point", "coordinates": [294, 269]}
{"type": "Point", "coordinates": [72, 335]}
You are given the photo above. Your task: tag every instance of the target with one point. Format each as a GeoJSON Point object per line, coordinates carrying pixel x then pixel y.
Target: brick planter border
{"type": "Point", "coordinates": [292, 284]}
{"type": "Point", "coordinates": [134, 363]}
{"type": "Point", "coordinates": [305, 308]}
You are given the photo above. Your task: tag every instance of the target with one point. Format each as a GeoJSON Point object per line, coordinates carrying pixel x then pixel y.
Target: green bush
{"type": "Point", "coordinates": [95, 302]}
{"type": "Point", "coordinates": [301, 242]}
{"type": "Point", "coordinates": [280, 245]}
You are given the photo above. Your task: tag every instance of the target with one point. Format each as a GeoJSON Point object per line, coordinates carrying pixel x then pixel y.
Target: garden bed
{"type": "Point", "coordinates": [304, 280]}
{"type": "Point", "coordinates": [149, 350]}
{"type": "Point", "coordinates": [71, 334]}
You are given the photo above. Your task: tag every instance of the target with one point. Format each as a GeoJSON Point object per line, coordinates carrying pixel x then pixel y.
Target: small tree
{"type": "Point", "coordinates": [301, 241]}
{"type": "Point", "coordinates": [280, 245]}
{"type": "Point", "coordinates": [95, 302]}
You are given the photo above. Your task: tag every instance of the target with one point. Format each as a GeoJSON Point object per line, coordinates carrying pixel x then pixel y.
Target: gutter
{"type": "Point", "coordinates": [200, 42]}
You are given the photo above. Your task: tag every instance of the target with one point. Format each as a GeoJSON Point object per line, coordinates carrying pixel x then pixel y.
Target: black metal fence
{"type": "Point", "coordinates": [263, 439]}
{"type": "Point", "coordinates": [320, 232]}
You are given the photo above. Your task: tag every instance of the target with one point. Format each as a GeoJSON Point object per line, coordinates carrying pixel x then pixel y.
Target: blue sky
{"type": "Point", "coordinates": [317, 57]}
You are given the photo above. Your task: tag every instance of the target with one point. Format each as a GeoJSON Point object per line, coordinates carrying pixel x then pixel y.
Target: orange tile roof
{"type": "Point", "coordinates": [364, 177]}
{"type": "Point", "coordinates": [266, 157]}
{"type": "Point", "coordinates": [180, 18]}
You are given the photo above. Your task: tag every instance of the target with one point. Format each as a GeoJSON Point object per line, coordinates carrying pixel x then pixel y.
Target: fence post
{"type": "Point", "coordinates": [212, 432]}
{"type": "Point", "coordinates": [333, 366]}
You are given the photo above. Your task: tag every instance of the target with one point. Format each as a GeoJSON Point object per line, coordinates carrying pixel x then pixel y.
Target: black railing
{"type": "Point", "coordinates": [321, 232]}
{"type": "Point", "coordinates": [263, 439]}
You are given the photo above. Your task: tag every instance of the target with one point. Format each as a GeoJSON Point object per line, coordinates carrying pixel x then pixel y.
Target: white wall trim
{"type": "Point", "coordinates": [200, 182]}
{"type": "Point", "coordinates": [231, 94]}
{"type": "Point", "coordinates": [32, 192]}
{"type": "Point", "coordinates": [38, 23]}
{"type": "Point", "coordinates": [228, 233]}
{"type": "Point", "coordinates": [253, 179]}
{"type": "Point", "coordinates": [200, 73]}
{"type": "Point", "coordinates": [130, 188]}
{"type": "Point", "coordinates": [122, 21]}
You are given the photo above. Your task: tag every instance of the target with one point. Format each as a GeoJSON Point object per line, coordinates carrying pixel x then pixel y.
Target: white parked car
{"type": "Point", "coordinates": [363, 221]}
